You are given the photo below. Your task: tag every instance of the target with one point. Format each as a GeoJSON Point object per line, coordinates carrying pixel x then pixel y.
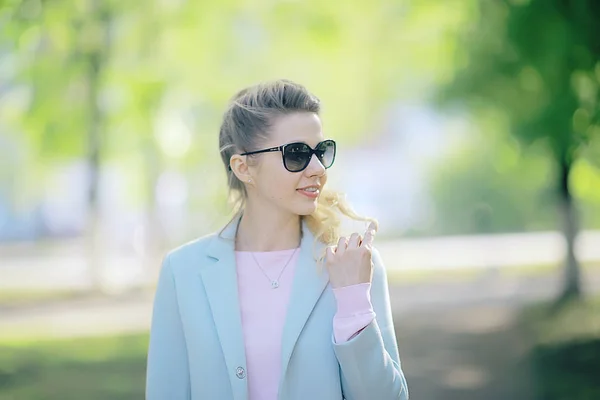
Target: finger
{"type": "Point", "coordinates": [341, 246]}
{"type": "Point", "coordinates": [354, 241]}
{"type": "Point", "coordinates": [329, 253]}
{"type": "Point", "coordinates": [372, 226]}
{"type": "Point", "coordinates": [369, 237]}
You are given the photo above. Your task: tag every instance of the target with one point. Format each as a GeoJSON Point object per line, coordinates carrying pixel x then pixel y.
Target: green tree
{"type": "Point", "coordinates": [101, 72]}
{"type": "Point", "coordinates": [62, 50]}
{"type": "Point", "coordinates": [537, 61]}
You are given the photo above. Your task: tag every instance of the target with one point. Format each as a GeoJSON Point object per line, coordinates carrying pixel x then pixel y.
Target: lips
{"type": "Point", "coordinates": [312, 192]}
{"type": "Point", "coordinates": [315, 187]}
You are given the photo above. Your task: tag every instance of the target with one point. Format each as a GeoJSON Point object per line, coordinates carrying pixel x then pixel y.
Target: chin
{"type": "Point", "coordinates": [305, 209]}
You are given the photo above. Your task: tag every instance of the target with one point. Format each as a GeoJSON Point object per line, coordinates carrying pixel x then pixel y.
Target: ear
{"type": "Point", "coordinates": [240, 167]}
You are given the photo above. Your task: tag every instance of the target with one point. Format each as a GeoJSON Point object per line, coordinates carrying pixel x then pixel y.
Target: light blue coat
{"type": "Point", "coordinates": [196, 346]}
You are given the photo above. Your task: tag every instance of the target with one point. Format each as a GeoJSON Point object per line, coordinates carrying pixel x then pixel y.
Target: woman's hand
{"type": "Point", "coordinates": [349, 263]}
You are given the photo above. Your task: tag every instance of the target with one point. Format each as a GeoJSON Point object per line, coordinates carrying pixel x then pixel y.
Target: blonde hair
{"type": "Point", "coordinates": [245, 127]}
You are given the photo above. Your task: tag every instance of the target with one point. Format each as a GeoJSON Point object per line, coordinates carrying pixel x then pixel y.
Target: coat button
{"type": "Point", "coordinates": [240, 373]}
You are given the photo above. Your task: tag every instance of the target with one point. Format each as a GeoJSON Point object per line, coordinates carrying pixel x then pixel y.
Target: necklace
{"type": "Point", "coordinates": [275, 282]}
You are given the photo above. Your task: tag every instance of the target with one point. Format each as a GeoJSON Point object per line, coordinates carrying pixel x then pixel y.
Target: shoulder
{"type": "Point", "coordinates": [189, 253]}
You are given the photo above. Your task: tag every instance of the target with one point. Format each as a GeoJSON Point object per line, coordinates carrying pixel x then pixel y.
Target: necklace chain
{"type": "Point", "coordinates": [274, 283]}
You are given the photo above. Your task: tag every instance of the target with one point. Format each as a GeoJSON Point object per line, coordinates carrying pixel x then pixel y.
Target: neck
{"type": "Point", "coordinates": [266, 230]}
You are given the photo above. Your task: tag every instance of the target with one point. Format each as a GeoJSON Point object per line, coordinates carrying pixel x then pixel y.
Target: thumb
{"type": "Point", "coordinates": [329, 255]}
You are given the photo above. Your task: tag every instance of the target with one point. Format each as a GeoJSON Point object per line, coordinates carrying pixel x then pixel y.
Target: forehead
{"type": "Point", "coordinates": [297, 127]}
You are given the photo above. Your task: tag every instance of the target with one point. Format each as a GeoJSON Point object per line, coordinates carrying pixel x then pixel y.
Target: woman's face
{"type": "Point", "coordinates": [276, 185]}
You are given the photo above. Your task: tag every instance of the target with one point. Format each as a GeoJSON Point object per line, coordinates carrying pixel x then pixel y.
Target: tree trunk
{"type": "Point", "coordinates": [95, 60]}
{"type": "Point", "coordinates": [94, 121]}
{"type": "Point", "coordinates": [571, 273]}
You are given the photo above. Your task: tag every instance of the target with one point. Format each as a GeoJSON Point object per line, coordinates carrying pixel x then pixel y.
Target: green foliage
{"type": "Point", "coordinates": [538, 62]}
{"type": "Point", "coordinates": [187, 59]}
{"type": "Point", "coordinates": [52, 44]}
{"type": "Point", "coordinates": [94, 368]}
{"type": "Point", "coordinates": [568, 370]}
{"type": "Point", "coordinates": [535, 66]}
{"type": "Point", "coordinates": [490, 182]}
{"type": "Point", "coordinates": [489, 186]}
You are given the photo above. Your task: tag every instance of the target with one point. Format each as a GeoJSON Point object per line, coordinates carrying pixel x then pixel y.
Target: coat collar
{"type": "Point", "coordinates": [220, 282]}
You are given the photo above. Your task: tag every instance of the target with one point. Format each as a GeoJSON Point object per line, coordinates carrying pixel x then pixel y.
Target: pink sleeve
{"type": "Point", "coordinates": [354, 311]}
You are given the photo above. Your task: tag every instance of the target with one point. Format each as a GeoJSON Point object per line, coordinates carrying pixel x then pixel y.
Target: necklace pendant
{"type": "Point", "coordinates": [274, 284]}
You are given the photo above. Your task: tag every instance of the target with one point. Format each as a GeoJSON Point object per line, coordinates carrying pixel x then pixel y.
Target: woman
{"type": "Point", "coordinates": [277, 305]}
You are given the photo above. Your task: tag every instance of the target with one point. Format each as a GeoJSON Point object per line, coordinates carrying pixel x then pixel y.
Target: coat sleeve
{"type": "Point", "coordinates": [369, 362]}
{"type": "Point", "coordinates": [167, 370]}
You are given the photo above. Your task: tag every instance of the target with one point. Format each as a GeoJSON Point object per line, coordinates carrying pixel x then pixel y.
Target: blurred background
{"type": "Point", "coordinates": [470, 129]}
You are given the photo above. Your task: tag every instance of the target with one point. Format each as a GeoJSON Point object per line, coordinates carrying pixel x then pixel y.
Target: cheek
{"type": "Point", "coordinates": [281, 185]}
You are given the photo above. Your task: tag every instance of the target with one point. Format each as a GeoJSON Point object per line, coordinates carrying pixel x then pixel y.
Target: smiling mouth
{"type": "Point", "coordinates": [310, 192]}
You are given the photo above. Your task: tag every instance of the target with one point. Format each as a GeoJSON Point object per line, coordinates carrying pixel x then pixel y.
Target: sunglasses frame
{"type": "Point", "coordinates": [282, 150]}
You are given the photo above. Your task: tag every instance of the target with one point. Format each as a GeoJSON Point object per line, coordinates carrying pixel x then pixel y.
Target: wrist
{"type": "Point", "coordinates": [353, 300]}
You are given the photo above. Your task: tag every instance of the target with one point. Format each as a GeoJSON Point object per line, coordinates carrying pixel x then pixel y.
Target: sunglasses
{"type": "Point", "coordinates": [297, 156]}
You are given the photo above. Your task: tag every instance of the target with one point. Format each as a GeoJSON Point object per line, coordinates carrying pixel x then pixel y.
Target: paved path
{"type": "Point", "coordinates": [132, 312]}
{"type": "Point", "coordinates": [475, 352]}
{"type": "Point", "coordinates": [64, 265]}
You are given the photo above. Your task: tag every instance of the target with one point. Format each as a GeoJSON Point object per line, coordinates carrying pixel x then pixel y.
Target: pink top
{"type": "Point", "coordinates": [261, 306]}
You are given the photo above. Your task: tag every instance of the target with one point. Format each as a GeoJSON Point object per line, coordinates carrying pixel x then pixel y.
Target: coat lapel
{"type": "Point", "coordinates": [307, 288]}
{"type": "Point", "coordinates": [220, 283]}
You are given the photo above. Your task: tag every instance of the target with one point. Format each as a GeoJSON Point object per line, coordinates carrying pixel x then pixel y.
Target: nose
{"type": "Point", "coordinates": [315, 167]}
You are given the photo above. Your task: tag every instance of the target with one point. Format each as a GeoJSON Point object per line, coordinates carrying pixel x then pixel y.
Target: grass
{"type": "Point", "coordinates": [396, 276]}
{"type": "Point", "coordinates": [25, 297]}
{"type": "Point", "coordinates": [566, 350]}
{"type": "Point", "coordinates": [19, 298]}
{"type": "Point", "coordinates": [90, 368]}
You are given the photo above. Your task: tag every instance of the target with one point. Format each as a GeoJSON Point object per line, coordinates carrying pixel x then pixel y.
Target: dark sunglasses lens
{"type": "Point", "coordinates": [296, 156]}
{"type": "Point", "coordinates": [326, 153]}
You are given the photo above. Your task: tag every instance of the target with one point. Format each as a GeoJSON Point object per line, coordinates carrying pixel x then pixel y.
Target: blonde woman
{"type": "Point", "coordinates": [276, 305]}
